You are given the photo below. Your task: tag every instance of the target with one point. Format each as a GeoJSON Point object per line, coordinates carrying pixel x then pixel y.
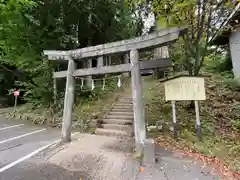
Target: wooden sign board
{"type": "Point", "coordinates": [185, 88]}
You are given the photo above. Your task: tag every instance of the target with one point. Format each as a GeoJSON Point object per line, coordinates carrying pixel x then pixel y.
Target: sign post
{"type": "Point", "coordinates": [198, 125]}
{"type": "Point", "coordinates": [174, 119]}
{"type": "Point", "coordinates": [16, 93]}
{"type": "Point", "coordinates": [183, 88]}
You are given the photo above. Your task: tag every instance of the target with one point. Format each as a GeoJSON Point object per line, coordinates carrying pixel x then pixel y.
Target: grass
{"type": "Point", "coordinates": [91, 106]}
{"type": "Point", "coordinates": [221, 138]}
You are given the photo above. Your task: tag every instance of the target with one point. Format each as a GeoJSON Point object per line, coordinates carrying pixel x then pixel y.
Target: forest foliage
{"type": "Point", "coordinates": [28, 27]}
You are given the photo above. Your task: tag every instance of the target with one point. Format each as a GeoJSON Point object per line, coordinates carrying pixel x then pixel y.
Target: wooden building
{"type": "Point", "coordinates": [230, 35]}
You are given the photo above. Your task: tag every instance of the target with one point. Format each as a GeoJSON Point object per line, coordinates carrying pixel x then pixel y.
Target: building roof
{"type": "Point", "coordinates": [232, 22]}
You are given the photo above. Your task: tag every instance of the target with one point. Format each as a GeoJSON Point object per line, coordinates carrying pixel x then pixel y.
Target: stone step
{"type": "Point", "coordinates": [122, 107]}
{"type": "Point", "coordinates": [116, 109]}
{"type": "Point", "coordinates": [121, 113]}
{"type": "Point", "coordinates": [126, 97]}
{"type": "Point", "coordinates": [124, 117]}
{"type": "Point", "coordinates": [123, 104]}
{"type": "Point", "coordinates": [118, 121]}
{"type": "Point", "coordinates": [118, 127]}
{"type": "Point", "coordinates": [111, 132]}
{"type": "Point", "coordinates": [125, 100]}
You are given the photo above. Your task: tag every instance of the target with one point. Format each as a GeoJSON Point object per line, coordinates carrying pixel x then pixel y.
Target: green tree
{"type": "Point", "coordinates": [28, 27]}
{"type": "Point", "coordinates": [202, 19]}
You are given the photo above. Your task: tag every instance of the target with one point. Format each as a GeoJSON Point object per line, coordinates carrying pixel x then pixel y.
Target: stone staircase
{"type": "Point", "coordinates": [119, 120]}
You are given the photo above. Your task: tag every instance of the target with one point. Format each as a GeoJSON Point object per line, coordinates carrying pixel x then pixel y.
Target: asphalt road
{"type": "Point", "coordinates": [19, 143]}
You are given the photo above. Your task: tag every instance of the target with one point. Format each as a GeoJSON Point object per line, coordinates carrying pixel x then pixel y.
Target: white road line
{"type": "Point", "coordinates": [25, 157]}
{"type": "Point", "coordinates": [17, 137]}
{"type": "Point", "coordinates": [30, 155]}
{"type": "Point", "coordinates": [9, 127]}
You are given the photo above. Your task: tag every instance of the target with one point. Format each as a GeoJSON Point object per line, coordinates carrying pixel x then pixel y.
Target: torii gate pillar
{"type": "Point", "coordinates": [68, 102]}
{"type": "Point", "coordinates": [138, 105]}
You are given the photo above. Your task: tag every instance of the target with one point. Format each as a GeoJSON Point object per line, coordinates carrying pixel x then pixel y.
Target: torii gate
{"type": "Point", "coordinates": [154, 40]}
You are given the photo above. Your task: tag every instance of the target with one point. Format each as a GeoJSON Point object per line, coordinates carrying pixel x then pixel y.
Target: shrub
{"type": "Point", "coordinates": [218, 63]}
{"type": "Point", "coordinates": [233, 84]}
